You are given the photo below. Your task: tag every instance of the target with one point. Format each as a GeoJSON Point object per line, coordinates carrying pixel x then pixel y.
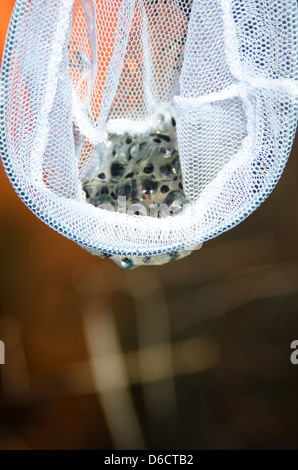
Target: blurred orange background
{"type": "Point", "coordinates": [193, 355]}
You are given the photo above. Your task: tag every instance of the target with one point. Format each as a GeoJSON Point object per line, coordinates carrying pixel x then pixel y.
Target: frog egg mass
{"type": "Point", "coordinates": [141, 174]}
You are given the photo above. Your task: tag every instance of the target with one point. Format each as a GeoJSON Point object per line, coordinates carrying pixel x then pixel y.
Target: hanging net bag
{"type": "Point", "coordinates": [142, 128]}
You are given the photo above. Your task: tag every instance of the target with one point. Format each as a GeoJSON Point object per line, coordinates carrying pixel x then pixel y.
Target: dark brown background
{"type": "Point", "coordinates": [195, 354]}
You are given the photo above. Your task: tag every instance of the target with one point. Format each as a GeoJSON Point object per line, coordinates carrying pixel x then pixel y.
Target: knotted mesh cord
{"type": "Point", "coordinates": [75, 70]}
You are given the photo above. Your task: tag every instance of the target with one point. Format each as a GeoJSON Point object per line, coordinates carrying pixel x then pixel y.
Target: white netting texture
{"type": "Point", "coordinates": [75, 71]}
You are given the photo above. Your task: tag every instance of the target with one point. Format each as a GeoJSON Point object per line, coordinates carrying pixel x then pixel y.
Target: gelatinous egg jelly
{"type": "Point", "coordinates": [142, 173]}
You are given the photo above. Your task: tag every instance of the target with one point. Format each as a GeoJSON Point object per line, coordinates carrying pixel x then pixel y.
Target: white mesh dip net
{"type": "Point", "coordinates": [142, 128]}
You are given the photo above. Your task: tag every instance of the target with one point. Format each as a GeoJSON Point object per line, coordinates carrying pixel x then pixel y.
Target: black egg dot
{"type": "Point", "coordinates": [158, 141]}
{"type": "Point", "coordinates": [129, 175]}
{"type": "Point", "coordinates": [164, 137]}
{"type": "Point", "coordinates": [163, 151]}
{"type": "Point", "coordinates": [104, 190]}
{"type": "Point", "coordinates": [117, 169]}
{"type": "Point", "coordinates": [165, 169]}
{"type": "Point", "coordinates": [173, 122]}
{"type": "Point", "coordinates": [113, 195]}
{"type": "Point", "coordinates": [164, 189]}
{"type": "Point", "coordinates": [148, 185]}
{"type": "Point", "coordinates": [175, 178]}
{"type": "Point", "coordinates": [129, 140]}
{"type": "Point", "coordinates": [148, 169]}
{"type": "Point", "coordinates": [181, 186]}
{"type": "Point", "coordinates": [102, 176]}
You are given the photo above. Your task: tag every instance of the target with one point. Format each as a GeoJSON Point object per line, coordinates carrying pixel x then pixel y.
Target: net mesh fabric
{"type": "Point", "coordinates": [73, 71]}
